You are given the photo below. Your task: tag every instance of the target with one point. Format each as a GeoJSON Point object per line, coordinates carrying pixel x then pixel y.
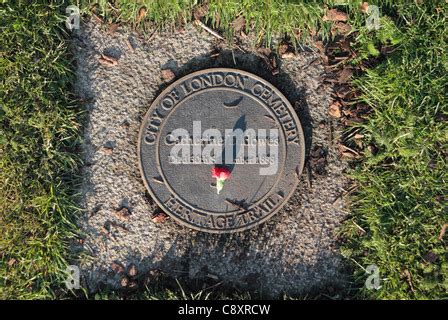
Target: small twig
{"type": "Point", "coordinates": [239, 48]}
{"type": "Point", "coordinates": [233, 57]}
{"type": "Point", "coordinates": [349, 149]}
{"type": "Point", "coordinates": [359, 227]}
{"type": "Point", "coordinates": [152, 35]}
{"type": "Point", "coordinates": [212, 32]}
{"type": "Point", "coordinates": [129, 44]}
{"type": "Point", "coordinates": [113, 8]}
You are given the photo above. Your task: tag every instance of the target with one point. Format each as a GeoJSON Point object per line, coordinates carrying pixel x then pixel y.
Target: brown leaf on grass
{"type": "Point", "coordinates": [342, 28]}
{"type": "Point", "coordinates": [238, 24]}
{"type": "Point", "coordinates": [345, 74]}
{"type": "Point", "coordinates": [200, 11]}
{"type": "Point", "coordinates": [364, 7]}
{"type": "Point", "coordinates": [442, 232]}
{"type": "Point", "coordinates": [141, 14]}
{"type": "Point", "coordinates": [407, 275]}
{"type": "Point", "coordinates": [168, 75]}
{"type": "Point", "coordinates": [117, 267]}
{"type": "Point", "coordinates": [12, 262]}
{"type": "Point", "coordinates": [312, 31]}
{"type": "Point", "coordinates": [342, 90]}
{"type": "Point", "coordinates": [345, 45]}
{"type": "Point", "coordinates": [347, 112]}
{"type": "Point", "coordinates": [335, 15]}
{"type": "Point", "coordinates": [335, 109]}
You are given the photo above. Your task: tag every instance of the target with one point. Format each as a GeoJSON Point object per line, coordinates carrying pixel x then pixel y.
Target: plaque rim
{"type": "Point", "coordinates": [299, 167]}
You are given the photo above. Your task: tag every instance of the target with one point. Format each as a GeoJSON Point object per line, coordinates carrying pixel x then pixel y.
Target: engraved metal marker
{"type": "Point", "coordinates": [224, 119]}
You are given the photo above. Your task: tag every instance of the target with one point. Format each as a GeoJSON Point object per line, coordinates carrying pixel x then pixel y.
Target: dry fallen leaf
{"type": "Point", "coordinates": [168, 75]}
{"type": "Point", "coordinates": [113, 27]}
{"type": "Point", "coordinates": [11, 262]}
{"type": "Point", "coordinates": [288, 55]}
{"type": "Point", "coordinates": [348, 155]}
{"type": "Point", "coordinates": [117, 267]}
{"type": "Point", "coordinates": [335, 15]}
{"type": "Point", "coordinates": [124, 281]}
{"type": "Point", "coordinates": [107, 60]}
{"type": "Point", "coordinates": [320, 46]}
{"type": "Point", "coordinates": [345, 75]}
{"type": "Point", "coordinates": [106, 151]}
{"type": "Point", "coordinates": [364, 7]}
{"type": "Point", "coordinates": [282, 48]}
{"type": "Point", "coordinates": [407, 275]}
{"type": "Point", "coordinates": [123, 214]}
{"type": "Point", "coordinates": [132, 270]}
{"type": "Point", "coordinates": [335, 109]}
{"type": "Point", "coordinates": [141, 14]}
{"type": "Point", "coordinates": [160, 217]}
{"type": "Point", "coordinates": [342, 27]}
{"type": "Point", "coordinates": [200, 11]}
{"type": "Point", "coordinates": [238, 24]}
{"type": "Point", "coordinates": [264, 51]}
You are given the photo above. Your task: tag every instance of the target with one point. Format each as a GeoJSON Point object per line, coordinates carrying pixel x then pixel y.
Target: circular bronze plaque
{"type": "Point", "coordinates": [223, 119]}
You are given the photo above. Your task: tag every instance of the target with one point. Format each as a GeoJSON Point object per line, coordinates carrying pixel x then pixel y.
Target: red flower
{"type": "Point", "coordinates": [221, 174]}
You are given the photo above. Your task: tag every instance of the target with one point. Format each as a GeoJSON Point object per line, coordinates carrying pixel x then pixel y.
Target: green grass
{"type": "Point", "coordinates": [401, 198]}
{"type": "Point", "coordinates": [38, 161]}
{"type": "Point", "coordinates": [269, 19]}
{"type": "Point", "coordinates": [401, 195]}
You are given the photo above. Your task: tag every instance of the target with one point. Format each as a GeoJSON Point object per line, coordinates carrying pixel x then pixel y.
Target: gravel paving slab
{"type": "Point", "coordinates": [293, 253]}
